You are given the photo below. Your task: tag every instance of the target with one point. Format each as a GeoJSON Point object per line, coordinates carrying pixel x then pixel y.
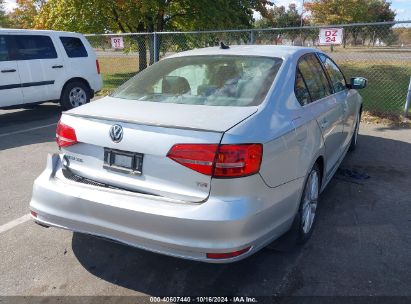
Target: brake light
{"type": "Point", "coordinates": [223, 161]}
{"type": "Point", "coordinates": [98, 66]}
{"type": "Point", "coordinates": [65, 135]}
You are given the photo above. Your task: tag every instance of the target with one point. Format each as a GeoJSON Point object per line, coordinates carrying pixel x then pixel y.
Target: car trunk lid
{"type": "Point", "coordinates": [192, 117]}
{"type": "Point", "coordinates": [151, 130]}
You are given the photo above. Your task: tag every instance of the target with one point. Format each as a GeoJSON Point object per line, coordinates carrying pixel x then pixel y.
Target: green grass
{"type": "Point", "coordinates": [386, 92]}
{"type": "Point", "coordinates": [387, 84]}
{"type": "Point", "coordinates": [115, 71]}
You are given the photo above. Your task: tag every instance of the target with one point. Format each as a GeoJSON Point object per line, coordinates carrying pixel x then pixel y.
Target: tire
{"type": "Point", "coordinates": [300, 232]}
{"type": "Point", "coordinates": [75, 94]}
{"type": "Point", "coordinates": [309, 203]}
{"type": "Point", "coordinates": [354, 138]}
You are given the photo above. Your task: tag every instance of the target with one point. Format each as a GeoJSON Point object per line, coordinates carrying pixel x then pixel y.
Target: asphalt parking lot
{"type": "Point", "coordinates": [361, 245]}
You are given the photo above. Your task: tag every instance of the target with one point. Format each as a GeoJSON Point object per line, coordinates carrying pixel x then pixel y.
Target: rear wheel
{"type": "Point", "coordinates": [75, 94]}
{"type": "Point", "coordinates": [308, 206]}
{"type": "Point", "coordinates": [305, 219]}
{"type": "Point", "coordinates": [354, 137]}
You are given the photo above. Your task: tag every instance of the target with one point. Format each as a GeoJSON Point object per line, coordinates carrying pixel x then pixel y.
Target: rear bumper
{"type": "Point", "coordinates": [186, 230]}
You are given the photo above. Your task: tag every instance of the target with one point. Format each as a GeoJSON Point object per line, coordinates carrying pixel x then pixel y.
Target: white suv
{"type": "Point", "coordinates": [39, 66]}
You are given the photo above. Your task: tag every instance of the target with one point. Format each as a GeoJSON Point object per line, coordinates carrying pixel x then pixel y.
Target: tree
{"type": "Point", "coordinates": [4, 22]}
{"type": "Point", "coordinates": [280, 17]}
{"type": "Point", "coordinates": [25, 14]}
{"type": "Point", "coordinates": [352, 11]}
{"type": "Point", "coordinates": [102, 16]}
{"type": "Point", "coordinates": [349, 11]}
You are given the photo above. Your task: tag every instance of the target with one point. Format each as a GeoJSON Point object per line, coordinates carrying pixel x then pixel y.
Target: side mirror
{"type": "Point", "coordinates": [358, 83]}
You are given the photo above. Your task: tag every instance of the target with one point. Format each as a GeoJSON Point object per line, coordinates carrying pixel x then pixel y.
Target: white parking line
{"type": "Point", "coordinates": [14, 223]}
{"type": "Point", "coordinates": [27, 130]}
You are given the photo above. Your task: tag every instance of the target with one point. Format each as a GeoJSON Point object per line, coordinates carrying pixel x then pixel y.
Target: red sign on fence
{"type": "Point", "coordinates": [117, 43]}
{"type": "Point", "coordinates": [330, 36]}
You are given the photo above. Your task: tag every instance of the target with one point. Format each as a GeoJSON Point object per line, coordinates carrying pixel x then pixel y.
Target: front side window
{"type": "Point", "coordinates": [314, 77]}
{"type": "Point", "coordinates": [336, 76]}
{"type": "Point", "coordinates": [74, 47]}
{"type": "Point", "coordinates": [4, 51]}
{"type": "Point", "coordinates": [218, 80]}
{"type": "Point", "coordinates": [29, 47]}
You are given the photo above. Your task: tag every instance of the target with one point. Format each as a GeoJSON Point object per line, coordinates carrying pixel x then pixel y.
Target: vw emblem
{"type": "Point", "coordinates": [116, 133]}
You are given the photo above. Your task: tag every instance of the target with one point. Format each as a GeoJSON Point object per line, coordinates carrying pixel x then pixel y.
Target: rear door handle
{"type": "Point", "coordinates": [57, 66]}
{"type": "Point", "coordinates": [9, 71]}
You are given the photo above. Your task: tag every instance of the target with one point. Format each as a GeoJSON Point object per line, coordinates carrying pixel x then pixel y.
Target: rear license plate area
{"type": "Point", "coordinates": [123, 161]}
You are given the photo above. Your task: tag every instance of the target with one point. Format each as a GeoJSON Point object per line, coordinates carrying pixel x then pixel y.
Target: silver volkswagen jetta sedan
{"type": "Point", "coordinates": [209, 154]}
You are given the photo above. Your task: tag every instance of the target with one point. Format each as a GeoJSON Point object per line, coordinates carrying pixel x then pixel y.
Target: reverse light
{"type": "Point", "coordinates": [98, 66]}
{"type": "Point", "coordinates": [227, 255]}
{"type": "Point", "coordinates": [221, 161]}
{"type": "Point", "coordinates": [65, 135]}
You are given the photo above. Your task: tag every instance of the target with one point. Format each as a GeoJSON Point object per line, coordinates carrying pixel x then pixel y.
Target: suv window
{"type": "Point", "coordinates": [29, 47]}
{"type": "Point", "coordinates": [4, 51]}
{"type": "Point", "coordinates": [336, 76]}
{"type": "Point", "coordinates": [74, 47]}
{"type": "Point", "coordinates": [314, 77]}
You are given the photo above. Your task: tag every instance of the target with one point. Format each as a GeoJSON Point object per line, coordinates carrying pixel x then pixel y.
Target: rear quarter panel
{"type": "Point", "coordinates": [290, 134]}
{"type": "Point", "coordinates": [84, 67]}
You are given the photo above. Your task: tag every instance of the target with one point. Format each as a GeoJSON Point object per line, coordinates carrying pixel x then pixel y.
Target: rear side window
{"type": "Point", "coordinates": [29, 47]}
{"type": "Point", "coordinates": [336, 76]}
{"type": "Point", "coordinates": [314, 77]}
{"type": "Point", "coordinates": [4, 51]}
{"type": "Point", "coordinates": [301, 91]}
{"type": "Point", "coordinates": [74, 47]}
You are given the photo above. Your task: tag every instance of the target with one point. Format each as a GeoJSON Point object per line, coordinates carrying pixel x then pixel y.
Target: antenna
{"type": "Point", "coordinates": [223, 46]}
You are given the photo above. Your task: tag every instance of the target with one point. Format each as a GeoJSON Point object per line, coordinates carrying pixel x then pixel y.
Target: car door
{"type": "Point", "coordinates": [323, 106]}
{"type": "Point", "coordinates": [342, 95]}
{"type": "Point", "coordinates": [39, 65]}
{"type": "Point", "coordinates": [10, 86]}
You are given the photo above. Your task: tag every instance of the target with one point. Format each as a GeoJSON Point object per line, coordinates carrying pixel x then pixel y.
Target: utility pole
{"type": "Point", "coordinates": [302, 13]}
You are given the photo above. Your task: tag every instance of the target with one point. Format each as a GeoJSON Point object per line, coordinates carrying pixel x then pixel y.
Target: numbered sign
{"type": "Point", "coordinates": [330, 36]}
{"type": "Point", "coordinates": [117, 43]}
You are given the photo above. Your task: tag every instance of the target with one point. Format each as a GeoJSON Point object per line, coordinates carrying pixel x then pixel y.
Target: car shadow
{"type": "Point", "coordinates": [160, 275]}
{"type": "Point", "coordinates": [39, 122]}
{"type": "Point", "coordinates": [343, 206]}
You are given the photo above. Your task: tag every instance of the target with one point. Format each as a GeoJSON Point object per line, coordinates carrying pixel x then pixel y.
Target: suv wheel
{"type": "Point", "coordinates": [75, 94]}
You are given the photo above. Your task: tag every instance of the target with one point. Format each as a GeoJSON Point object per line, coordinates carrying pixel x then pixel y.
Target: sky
{"type": "Point", "coordinates": [402, 7]}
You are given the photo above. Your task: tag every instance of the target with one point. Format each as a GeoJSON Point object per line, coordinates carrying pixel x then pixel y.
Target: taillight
{"type": "Point", "coordinates": [238, 160]}
{"type": "Point", "coordinates": [98, 66]}
{"type": "Point", "coordinates": [65, 135]}
{"type": "Point", "coordinates": [198, 157]}
{"type": "Point", "coordinates": [223, 161]}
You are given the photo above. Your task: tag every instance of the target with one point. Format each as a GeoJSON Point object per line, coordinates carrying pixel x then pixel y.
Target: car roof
{"type": "Point", "coordinates": [46, 32]}
{"type": "Point", "coordinates": [278, 51]}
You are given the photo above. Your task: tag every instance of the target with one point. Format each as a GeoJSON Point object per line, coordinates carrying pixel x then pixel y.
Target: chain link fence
{"type": "Point", "coordinates": [380, 52]}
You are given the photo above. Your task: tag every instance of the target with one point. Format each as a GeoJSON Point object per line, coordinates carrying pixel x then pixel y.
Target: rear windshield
{"type": "Point", "coordinates": [204, 80]}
